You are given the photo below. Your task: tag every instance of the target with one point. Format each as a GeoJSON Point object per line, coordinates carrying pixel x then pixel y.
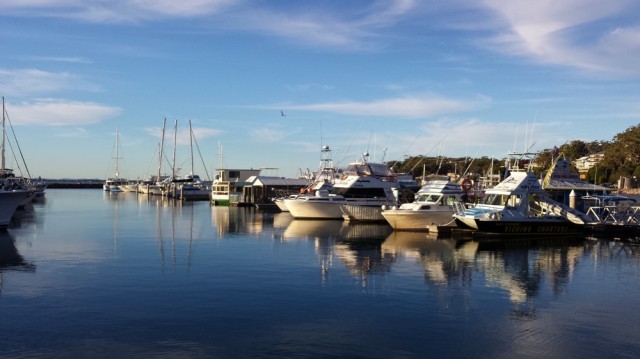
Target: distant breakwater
{"type": "Point", "coordinates": [74, 183]}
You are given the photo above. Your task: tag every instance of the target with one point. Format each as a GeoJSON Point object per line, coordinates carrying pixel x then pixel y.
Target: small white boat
{"type": "Point", "coordinates": [433, 205]}
{"type": "Point", "coordinates": [280, 202]}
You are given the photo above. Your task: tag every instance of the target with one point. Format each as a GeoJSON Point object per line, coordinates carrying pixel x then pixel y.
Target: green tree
{"type": "Point", "coordinates": [622, 155]}
{"type": "Point", "coordinates": [574, 150]}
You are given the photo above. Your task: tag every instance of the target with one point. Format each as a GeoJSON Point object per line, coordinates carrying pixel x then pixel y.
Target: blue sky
{"type": "Point", "coordinates": [394, 78]}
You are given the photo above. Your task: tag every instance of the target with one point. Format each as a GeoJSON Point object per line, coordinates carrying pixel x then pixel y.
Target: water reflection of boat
{"type": "Point", "coordinates": [442, 259]}
{"type": "Point", "coordinates": [10, 259]}
{"type": "Point", "coordinates": [313, 229]}
{"type": "Point", "coordinates": [363, 256]}
{"type": "Point", "coordinates": [522, 271]}
{"type": "Point", "coordinates": [365, 231]}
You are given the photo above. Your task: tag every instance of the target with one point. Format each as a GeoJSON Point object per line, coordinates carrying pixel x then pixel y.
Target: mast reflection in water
{"type": "Point", "coordinates": [135, 275]}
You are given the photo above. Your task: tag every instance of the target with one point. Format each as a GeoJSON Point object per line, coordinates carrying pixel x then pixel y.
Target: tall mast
{"type": "Point", "coordinates": [3, 139]}
{"type": "Point", "coordinates": [191, 146]}
{"type": "Point", "coordinates": [117, 153]}
{"type": "Point", "coordinates": [175, 138]}
{"type": "Point", "coordinates": [161, 150]}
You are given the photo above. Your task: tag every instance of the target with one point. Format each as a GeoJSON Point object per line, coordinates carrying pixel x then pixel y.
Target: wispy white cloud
{"type": "Point", "coordinates": [71, 60]}
{"type": "Point", "coordinates": [33, 82]}
{"type": "Point", "coordinates": [270, 134]}
{"type": "Point", "coordinates": [407, 107]}
{"type": "Point", "coordinates": [105, 11]}
{"type": "Point", "coordinates": [335, 27]}
{"type": "Point", "coordinates": [586, 34]}
{"type": "Point", "coordinates": [309, 87]}
{"type": "Point", "coordinates": [472, 137]}
{"type": "Point", "coordinates": [316, 24]}
{"type": "Point", "coordinates": [182, 136]}
{"type": "Point", "coordinates": [72, 132]}
{"type": "Point", "coordinates": [50, 112]}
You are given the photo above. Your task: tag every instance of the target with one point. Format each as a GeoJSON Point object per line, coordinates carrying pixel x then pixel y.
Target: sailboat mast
{"type": "Point", "coordinates": [3, 138]}
{"type": "Point", "coordinates": [161, 150]}
{"type": "Point", "coordinates": [175, 139]}
{"type": "Point", "coordinates": [191, 146]}
{"type": "Point", "coordinates": [117, 153]}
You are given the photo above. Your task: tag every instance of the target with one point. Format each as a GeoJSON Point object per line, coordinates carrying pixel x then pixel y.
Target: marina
{"type": "Point", "coordinates": [143, 275]}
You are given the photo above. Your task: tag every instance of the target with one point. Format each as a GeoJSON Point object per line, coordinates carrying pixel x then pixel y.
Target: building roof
{"type": "Point", "coordinates": [277, 181]}
{"type": "Point", "coordinates": [562, 179]}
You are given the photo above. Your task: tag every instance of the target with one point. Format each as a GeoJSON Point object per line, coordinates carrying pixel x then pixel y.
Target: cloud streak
{"type": "Point", "coordinates": [586, 34]}
{"type": "Point", "coordinates": [406, 107]}
{"type": "Point", "coordinates": [49, 112]}
{"type": "Point", "coordinates": [30, 82]}
{"type": "Point", "coordinates": [182, 136]}
{"type": "Point", "coordinates": [590, 35]}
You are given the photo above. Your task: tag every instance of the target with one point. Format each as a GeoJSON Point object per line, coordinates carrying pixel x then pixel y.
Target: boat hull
{"type": "Point", "coordinates": [355, 213]}
{"type": "Point", "coordinates": [281, 205]}
{"type": "Point", "coordinates": [9, 202]}
{"type": "Point", "coordinates": [326, 207]}
{"type": "Point", "coordinates": [310, 209]}
{"type": "Point", "coordinates": [532, 227]}
{"type": "Point", "coordinates": [408, 220]}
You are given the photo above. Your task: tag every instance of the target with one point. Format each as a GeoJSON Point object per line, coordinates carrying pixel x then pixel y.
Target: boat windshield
{"type": "Point", "coordinates": [431, 198]}
{"type": "Point", "coordinates": [502, 200]}
{"type": "Point", "coordinates": [368, 169]}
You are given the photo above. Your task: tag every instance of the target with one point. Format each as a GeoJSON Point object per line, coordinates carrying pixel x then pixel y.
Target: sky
{"type": "Point", "coordinates": [266, 84]}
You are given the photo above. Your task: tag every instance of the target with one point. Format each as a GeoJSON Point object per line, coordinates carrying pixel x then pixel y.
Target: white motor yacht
{"type": "Point", "coordinates": [433, 205]}
{"type": "Point", "coordinates": [362, 183]}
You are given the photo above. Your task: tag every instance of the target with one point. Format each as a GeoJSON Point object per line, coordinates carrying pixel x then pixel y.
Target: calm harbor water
{"type": "Point", "coordinates": [92, 274]}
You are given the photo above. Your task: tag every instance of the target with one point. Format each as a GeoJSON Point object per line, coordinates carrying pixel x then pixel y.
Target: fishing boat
{"type": "Point", "coordinates": [433, 205]}
{"type": "Point", "coordinates": [362, 183]}
{"type": "Point", "coordinates": [519, 206]}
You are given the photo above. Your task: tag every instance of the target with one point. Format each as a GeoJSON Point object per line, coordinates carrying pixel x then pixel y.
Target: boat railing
{"type": "Point", "coordinates": [459, 207]}
{"type": "Point", "coordinates": [613, 214]}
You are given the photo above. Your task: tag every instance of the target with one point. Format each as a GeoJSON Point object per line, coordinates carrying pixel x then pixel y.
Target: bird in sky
{"type": "Point", "coordinates": [282, 114]}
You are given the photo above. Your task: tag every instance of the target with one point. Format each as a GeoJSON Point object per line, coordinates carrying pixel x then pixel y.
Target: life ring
{"type": "Point", "coordinates": [466, 185]}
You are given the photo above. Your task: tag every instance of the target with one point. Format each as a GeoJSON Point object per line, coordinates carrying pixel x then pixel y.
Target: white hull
{"type": "Point", "coordinates": [281, 205]}
{"type": "Point", "coordinates": [9, 202]}
{"type": "Point", "coordinates": [326, 207]}
{"type": "Point", "coordinates": [408, 220]}
{"type": "Point", "coordinates": [314, 209]}
{"type": "Point", "coordinates": [362, 213]}
{"type": "Point", "coordinates": [130, 187]}
{"type": "Point", "coordinates": [151, 189]}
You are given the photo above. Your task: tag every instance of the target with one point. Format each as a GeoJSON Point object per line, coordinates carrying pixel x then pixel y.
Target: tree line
{"type": "Point", "coordinates": [621, 158]}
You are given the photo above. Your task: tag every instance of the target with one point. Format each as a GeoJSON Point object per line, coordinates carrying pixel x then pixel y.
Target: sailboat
{"type": "Point", "coordinates": [191, 186]}
{"type": "Point", "coordinates": [14, 191]}
{"type": "Point", "coordinates": [112, 184]}
{"type": "Point", "coordinates": [154, 184]}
